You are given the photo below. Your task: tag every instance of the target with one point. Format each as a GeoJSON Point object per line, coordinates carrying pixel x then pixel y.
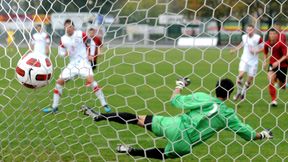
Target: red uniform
{"type": "Point", "coordinates": [278, 50]}
{"type": "Point", "coordinates": [93, 50]}
{"type": "Point", "coordinates": [282, 38]}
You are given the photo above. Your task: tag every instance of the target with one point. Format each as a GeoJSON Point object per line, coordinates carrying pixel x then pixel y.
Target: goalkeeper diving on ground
{"type": "Point", "coordinates": [205, 115]}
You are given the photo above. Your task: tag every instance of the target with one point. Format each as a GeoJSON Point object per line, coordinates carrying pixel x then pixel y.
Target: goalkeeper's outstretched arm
{"type": "Point", "coordinates": [180, 84]}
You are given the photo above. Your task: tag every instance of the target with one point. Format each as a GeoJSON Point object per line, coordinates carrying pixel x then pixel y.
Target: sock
{"type": "Point", "coordinates": [246, 86]}
{"type": "Point", "coordinates": [98, 92]}
{"type": "Point", "coordinates": [156, 153]}
{"type": "Point", "coordinates": [57, 94]}
{"type": "Point", "coordinates": [272, 91]}
{"type": "Point", "coordinates": [283, 86]}
{"type": "Point", "coordinates": [239, 86]}
{"type": "Point", "coordinates": [122, 118]}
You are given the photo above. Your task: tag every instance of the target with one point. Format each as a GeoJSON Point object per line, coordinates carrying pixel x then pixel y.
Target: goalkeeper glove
{"type": "Point", "coordinates": [182, 82]}
{"type": "Point", "coordinates": [266, 133]}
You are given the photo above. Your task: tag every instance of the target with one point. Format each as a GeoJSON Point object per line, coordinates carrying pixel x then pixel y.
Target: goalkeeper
{"type": "Point", "coordinates": [204, 117]}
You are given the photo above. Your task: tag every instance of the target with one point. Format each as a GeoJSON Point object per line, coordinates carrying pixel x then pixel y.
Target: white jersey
{"type": "Point", "coordinates": [249, 43]}
{"type": "Point", "coordinates": [75, 47]}
{"type": "Point", "coordinates": [40, 41]}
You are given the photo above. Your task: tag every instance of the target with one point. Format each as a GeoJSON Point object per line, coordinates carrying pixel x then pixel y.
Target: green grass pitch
{"type": "Point", "coordinates": [137, 80]}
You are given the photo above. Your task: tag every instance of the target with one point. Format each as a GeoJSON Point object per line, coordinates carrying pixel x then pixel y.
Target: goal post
{"type": "Point", "coordinates": [147, 46]}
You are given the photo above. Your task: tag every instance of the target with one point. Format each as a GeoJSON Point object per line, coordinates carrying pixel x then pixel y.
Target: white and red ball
{"type": "Point", "coordinates": [34, 70]}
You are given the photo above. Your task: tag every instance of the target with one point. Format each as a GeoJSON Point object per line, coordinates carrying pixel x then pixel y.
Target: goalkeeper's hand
{"type": "Point", "coordinates": [266, 133]}
{"type": "Point", "coordinates": [182, 82]}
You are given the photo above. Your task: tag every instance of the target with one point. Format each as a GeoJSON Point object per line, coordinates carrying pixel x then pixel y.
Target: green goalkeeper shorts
{"type": "Point", "coordinates": [170, 128]}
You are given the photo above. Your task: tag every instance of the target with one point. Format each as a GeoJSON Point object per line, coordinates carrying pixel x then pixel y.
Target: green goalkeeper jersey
{"type": "Point", "coordinates": [204, 117]}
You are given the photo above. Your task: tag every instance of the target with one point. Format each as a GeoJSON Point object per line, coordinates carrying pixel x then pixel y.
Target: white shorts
{"type": "Point", "coordinates": [250, 69]}
{"type": "Point", "coordinates": [82, 69]}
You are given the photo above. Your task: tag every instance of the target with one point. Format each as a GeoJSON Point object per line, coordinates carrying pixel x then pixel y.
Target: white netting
{"type": "Point", "coordinates": [148, 44]}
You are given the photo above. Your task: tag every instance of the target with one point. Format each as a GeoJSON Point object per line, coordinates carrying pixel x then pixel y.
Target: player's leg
{"type": "Point", "coordinates": [252, 71]}
{"type": "Point", "coordinates": [239, 84]}
{"type": "Point", "coordinates": [57, 92]}
{"type": "Point", "coordinates": [93, 64]}
{"type": "Point", "coordinates": [272, 89]}
{"type": "Point", "coordinates": [121, 117]}
{"type": "Point", "coordinates": [68, 73]}
{"type": "Point", "coordinates": [156, 153]}
{"type": "Point", "coordinates": [87, 72]}
{"type": "Point", "coordinates": [128, 118]}
{"type": "Point", "coordinates": [98, 92]}
{"type": "Point", "coordinates": [247, 84]}
{"type": "Point", "coordinates": [281, 75]}
{"type": "Point", "coordinates": [239, 80]}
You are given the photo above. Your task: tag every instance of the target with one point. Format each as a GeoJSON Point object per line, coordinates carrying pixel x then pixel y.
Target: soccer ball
{"type": "Point", "coordinates": [34, 70]}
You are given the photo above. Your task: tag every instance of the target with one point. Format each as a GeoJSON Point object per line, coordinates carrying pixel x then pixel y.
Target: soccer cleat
{"type": "Point", "coordinates": [107, 108]}
{"type": "Point", "coordinates": [242, 97]}
{"type": "Point", "coordinates": [274, 103]}
{"type": "Point", "coordinates": [89, 112]}
{"type": "Point", "coordinates": [123, 149]}
{"type": "Point", "coordinates": [236, 97]}
{"type": "Point", "coordinates": [50, 110]}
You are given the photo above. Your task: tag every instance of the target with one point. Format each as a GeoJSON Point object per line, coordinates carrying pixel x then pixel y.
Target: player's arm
{"type": "Point", "coordinates": [86, 41]}
{"type": "Point", "coordinates": [180, 84]}
{"type": "Point", "coordinates": [266, 133]}
{"type": "Point", "coordinates": [186, 102]}
{"type": "Point", "coordinates": [259, 48]}
{"type": "Point", "coordinates": [32, 42]}
{"type": "Point", "coordinates": [237, 48]}
{"type": "Point", "coordinates": [99, 45]}
{"type": "Point", "coordinates": [47, 46]}
{"type": "Point", "coordinates": [245, 131]}
{"type": "Point", "coordinates": [283, 58]}
{"type": "Point", "coordinates": [62, 51]}
{"type": "Point", "coordinates": [265, 55]}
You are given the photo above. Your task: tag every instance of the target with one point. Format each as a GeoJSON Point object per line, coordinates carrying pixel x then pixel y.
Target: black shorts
{"type": "Point", "coordinates": [148, 122]}
{"type": "Point", "coordinates": [281, 73]}
{"type": "Point", "coordinates": [93, 64]}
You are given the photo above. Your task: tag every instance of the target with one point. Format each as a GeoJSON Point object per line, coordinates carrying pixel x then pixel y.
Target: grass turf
{"type": "Point", "coordinates": [137, 80]}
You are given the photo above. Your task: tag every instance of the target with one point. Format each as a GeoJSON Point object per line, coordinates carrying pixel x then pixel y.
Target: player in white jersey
{"type": "Point", "coordinates": [72, 44]}
{"type": "Point", "coordinates": [251, 44]}
{"type": "Point", "coordinates": [40, 41]}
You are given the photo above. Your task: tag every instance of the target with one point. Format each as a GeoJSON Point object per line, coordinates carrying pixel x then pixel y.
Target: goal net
{"type": "Point", "coordinates": [147, 45]}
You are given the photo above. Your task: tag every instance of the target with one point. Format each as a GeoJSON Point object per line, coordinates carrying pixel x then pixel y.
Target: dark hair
{"type": "Point", "coordinates": [38, 25]}
{"type": "Point", "coordinates": [224, 88]}
{"type": "Point", "coordinates": [250, 25]}
{"type": "Point", "coordinates": [68, 21]}
{"type": "Point", "coordinates": [90, 29]}
{"type": "Point", "coordinates": [273, 30]}
{"type": "Point", "coordinates": [277, 23]}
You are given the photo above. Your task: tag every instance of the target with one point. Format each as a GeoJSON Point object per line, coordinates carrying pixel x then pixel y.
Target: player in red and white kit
{"type": "Point", "coordinates": [278, 63]}
{"type": "Point", "coordinates": [95, 45]}
{"type": "Point", "coordinates": [40, 41]}
{"type": "Point", "coordinates": [282, 36]}
{"type": "Point", "coordinates": [249, 60]}
{"type": "Point", "coordinates": [72, 44]}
